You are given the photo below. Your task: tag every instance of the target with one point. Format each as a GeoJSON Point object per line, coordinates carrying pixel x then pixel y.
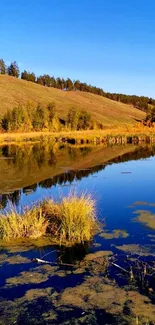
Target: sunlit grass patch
{"type": "Point", "coordinates": [30, 224]}
{"type": "Point", "coordinates": [78, 218]}
{"type": "Point", "coordinates": [71, 220]}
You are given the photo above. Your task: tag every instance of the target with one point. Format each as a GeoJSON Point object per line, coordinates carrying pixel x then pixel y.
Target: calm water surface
{"type": "Point", "coordinates": [122, 180]}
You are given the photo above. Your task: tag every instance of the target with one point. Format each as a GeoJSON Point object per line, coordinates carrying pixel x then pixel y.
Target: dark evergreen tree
{"type": "Point", "coordinates": [69, 84]}
{"type": "Point", "coordinates": [53, 82]}
{"type": "Point", "coordinates": [3, 69]}
{"type": "Point", "coordinates": [59, 83]}
{"type": "Point", "coordinates": [29, 76]}
{"type": "Point", "coordinates": [13, 70]}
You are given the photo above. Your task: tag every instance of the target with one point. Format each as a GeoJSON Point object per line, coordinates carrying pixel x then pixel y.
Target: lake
{"type": "Point", "coordinates": [110, 280]}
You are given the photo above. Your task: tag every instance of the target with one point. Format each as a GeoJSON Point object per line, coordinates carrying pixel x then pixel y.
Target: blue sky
{"type": "Point", "coordinates": [108, 43]}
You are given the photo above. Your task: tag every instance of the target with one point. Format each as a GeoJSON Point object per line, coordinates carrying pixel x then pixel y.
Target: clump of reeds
{"type": "Point", "coordinates": [30, 224]}
{"type": "Point", "coordinates": [77, 218]}
{"type": "Point", "coordinates": [69, 221]}
{"type": "Point", "coordinates": [72, 219]}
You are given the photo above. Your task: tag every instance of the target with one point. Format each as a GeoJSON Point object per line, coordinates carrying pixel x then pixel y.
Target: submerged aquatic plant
{"type": "Point", "coordinates": [69, 221]}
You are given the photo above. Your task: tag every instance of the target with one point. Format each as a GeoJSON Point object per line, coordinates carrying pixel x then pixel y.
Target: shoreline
{"type": "Point", "coordinates": [110, 136]}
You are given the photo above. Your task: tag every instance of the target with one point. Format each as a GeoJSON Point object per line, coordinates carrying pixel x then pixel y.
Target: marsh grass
{"type": "Point", "coordinates": [30, 224]}
{"type": "Point", "coordinates": [78, 217]}
{"type": "Point", "coordinates": [71, 220]}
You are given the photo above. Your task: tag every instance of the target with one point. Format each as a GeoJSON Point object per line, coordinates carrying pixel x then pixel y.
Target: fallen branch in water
{"type": "Point", "coordinates": [121, 268]}
{"type": "Point", "coordinates": [38, 260]}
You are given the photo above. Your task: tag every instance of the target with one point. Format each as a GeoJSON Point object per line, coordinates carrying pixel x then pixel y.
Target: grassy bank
{"type": "Point", "coordinates": [91, 136]}
{"type": "Point", "coordinates": [70, 221]}
{"type": "Point", "coordinates": [103, 110]}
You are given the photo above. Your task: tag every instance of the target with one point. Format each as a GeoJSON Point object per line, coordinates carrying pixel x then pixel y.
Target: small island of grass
{"type": "Point", "coordinates": [67, 222]}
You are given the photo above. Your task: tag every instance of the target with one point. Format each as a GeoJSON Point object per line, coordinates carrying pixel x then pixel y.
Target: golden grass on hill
{"type": "Point", "coordinates": [15, 91]}
{"type": "Point", "coordinates": [70, 221]}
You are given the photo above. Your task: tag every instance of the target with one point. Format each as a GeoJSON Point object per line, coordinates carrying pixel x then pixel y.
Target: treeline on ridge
{"type": "Point", "coordinates": [44, 117]}
{"type": "Point", "coordinates": [140, 102]}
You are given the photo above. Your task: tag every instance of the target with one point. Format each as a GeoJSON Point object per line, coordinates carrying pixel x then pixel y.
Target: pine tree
{"type": "Point", "coordinates": [3, 68]}
{"type": "Point", "coordinates": [29, 76]}
{"type": "Point", "coordinates": [69, 84]}
{"type": "Point", "coordinates": [13, 70]}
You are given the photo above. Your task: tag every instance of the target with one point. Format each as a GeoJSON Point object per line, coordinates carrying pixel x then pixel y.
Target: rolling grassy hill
{"type": "Point", "coordinates": [111, 113]}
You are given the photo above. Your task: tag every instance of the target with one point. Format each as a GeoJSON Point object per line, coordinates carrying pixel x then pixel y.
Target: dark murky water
{"type": "Point", "coordinates": [122, 179]}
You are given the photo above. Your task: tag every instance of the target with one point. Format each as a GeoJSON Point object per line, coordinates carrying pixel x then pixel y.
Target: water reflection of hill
{"type": "Point", "coordinates": [50, 165]}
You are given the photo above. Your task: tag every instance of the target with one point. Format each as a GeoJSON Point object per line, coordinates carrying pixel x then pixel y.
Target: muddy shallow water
{"type": "Point", "coordinates": [108, 281]}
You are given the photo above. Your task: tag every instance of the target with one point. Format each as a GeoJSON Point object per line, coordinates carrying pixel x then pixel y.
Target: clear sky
{"type": "Point", "coordinates": [108, 43]}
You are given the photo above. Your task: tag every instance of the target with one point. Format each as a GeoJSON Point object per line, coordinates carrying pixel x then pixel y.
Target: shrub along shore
{"type": "Point", "coordinates": [70, 221]}
{"type": "Point", "coordinates": [126, 135]}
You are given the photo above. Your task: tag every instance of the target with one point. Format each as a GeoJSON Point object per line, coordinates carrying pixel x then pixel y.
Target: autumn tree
{"type": "Point", "coordinates": [16, 120]}
{"type": "Point", "coordinates": [40, 118]}
{"type": "Point", "coordinates": [84, 121]}
{"type": "Point", "coordinates": [73, 118]}
{"type": "Point", "coordinates": [51, 112]}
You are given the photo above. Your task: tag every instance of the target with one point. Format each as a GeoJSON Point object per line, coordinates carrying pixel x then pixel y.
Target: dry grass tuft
{"type": "Point", "coordinates": [30, 224]}
{"type": "Point", "coordinates": [73, 219]}
{"type": "Point", "coordinates": [70, 221]}
{"type": "Point", "coordinates": [78, 217]}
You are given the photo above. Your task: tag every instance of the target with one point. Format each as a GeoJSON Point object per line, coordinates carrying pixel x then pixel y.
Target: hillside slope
{"type": "Point", "coordinates": [111, 113]}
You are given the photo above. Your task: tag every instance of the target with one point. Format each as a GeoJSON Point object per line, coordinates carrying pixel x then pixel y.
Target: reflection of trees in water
{"type": "Point", "coordinates": [141, 152]}
{"type": "Point", "coordinates": [76, 152]}
{"type": "Point", "coordinates": [5, 151]}
{"type": "Point", "coordinates": [30, 188]}
{"type": "Point", "coordinates": [29, 155]}
{"type": "Point", "coordinates": [40, 153]}
{"type": "Point", "coordinates": [3, 201]}
{"type": "Point", "coordinates": [69, 177]}
{"type": "Point", "coordinates": [13, 198]}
